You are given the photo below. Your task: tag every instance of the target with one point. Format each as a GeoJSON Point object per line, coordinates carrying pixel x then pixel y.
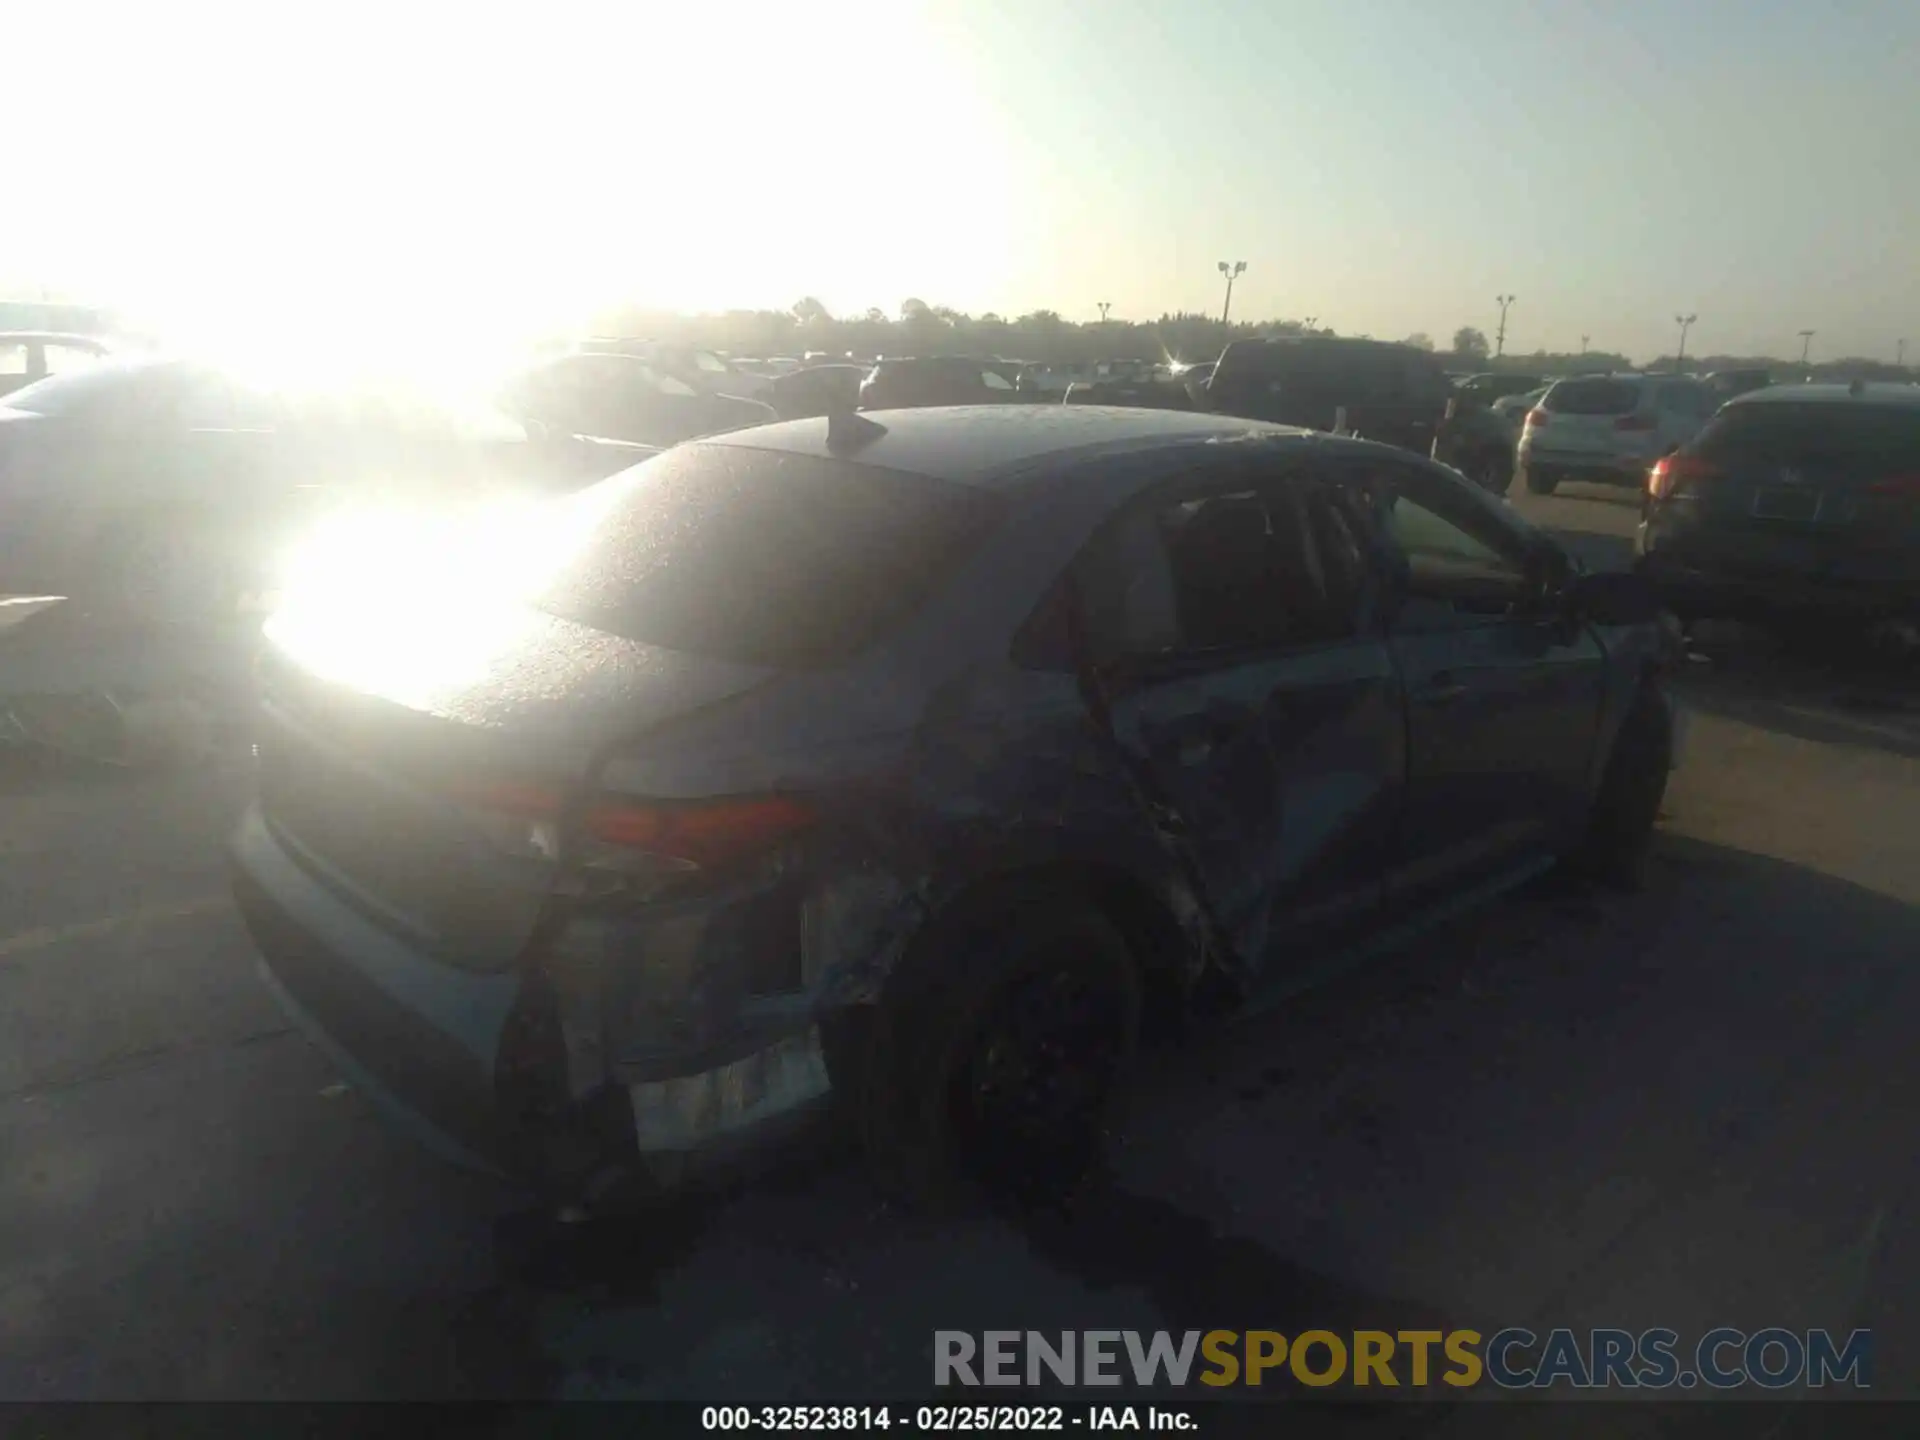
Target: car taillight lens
{"type": "Point", "coordinates": [1634, 422]}
{"type": "Point", "coordinates": [621, 834]}
{"type": "Point", "coordinates": [1538, 417]}
{"type": "Point", "coordinates": [1670, 470]}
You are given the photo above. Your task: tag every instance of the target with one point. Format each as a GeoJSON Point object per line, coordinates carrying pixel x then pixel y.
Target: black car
{"type": "Point", "coordinates": [815, 390]}
{"type": "Point", "coordinates": [909, 382]}
{"type": "Point", "coordinates": [625, 397]}
{"type": "Point", "coordinates": [1391, 393]}
{"type": "Point", "coordinates": [1492, 386]}
{"type": "Point", "coordinates": [904, 763]}
{"type": "Point", "coordinates": [1794, 500]}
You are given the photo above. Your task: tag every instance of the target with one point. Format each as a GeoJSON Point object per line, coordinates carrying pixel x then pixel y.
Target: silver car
{"type": "Point", "coordinates": [1609, 428]}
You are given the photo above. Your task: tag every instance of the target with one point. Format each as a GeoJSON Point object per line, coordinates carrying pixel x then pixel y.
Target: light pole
{"type": "Point", "coordinates": [1231, 272]}
{"type": "Point", "coordinates": [1685, 322]}
{"type": "Point", "coordinates": [1583, 343]}
{"type": "Point", "coordinates": [1900, 354]}
{"type": "Point", "coordinates": [1105, 305]}
{"type": "Point", "coordinates": [1806, 344]}
{"type": "Point", "coordinates": [1500, 335]}
{"type": "Point", "coordinates": [1307, 325]}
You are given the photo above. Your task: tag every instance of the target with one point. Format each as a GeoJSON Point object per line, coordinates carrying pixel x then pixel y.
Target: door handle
{"type": "Point", "coordinates": [1443, 690]}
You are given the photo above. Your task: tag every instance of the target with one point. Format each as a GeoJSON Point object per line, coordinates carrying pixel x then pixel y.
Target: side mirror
{"type": "Point", "coordinates": [1614, 597]}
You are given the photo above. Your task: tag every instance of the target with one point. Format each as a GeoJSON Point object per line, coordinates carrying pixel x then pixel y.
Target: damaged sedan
{"type": "Point", "coordinates": [902, 762]}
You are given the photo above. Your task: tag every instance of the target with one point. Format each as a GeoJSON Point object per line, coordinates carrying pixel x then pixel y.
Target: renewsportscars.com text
{"type": "Point", "coordinates": [1513, 1359]}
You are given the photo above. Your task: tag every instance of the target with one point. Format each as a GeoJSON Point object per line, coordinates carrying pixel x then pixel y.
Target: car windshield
{"type": "Point", "coordinates": [1593, 397]}
{"type": "Point", "coordinates": [762, 557]}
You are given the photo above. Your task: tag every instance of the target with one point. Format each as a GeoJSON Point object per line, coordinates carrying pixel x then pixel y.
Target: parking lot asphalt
{"type": "Point", "coordinates": [1689, 1106]}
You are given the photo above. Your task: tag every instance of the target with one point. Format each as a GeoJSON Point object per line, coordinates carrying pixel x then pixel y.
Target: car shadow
{"type": "Point", "coordinates": [1371, 1155]}
{"type": "Point", "coordinates": [1842, 695]}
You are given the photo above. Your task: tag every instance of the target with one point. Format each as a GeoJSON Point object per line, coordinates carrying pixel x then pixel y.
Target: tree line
{"type": "Point", "coordinates": [919, 328]}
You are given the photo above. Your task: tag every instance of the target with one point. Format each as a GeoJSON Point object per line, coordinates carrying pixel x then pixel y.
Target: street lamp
{"type": "Point", "coordinates": [1500, 335]}
{"type": "Point", "coordinates": [1583, 343]}
{"type": "Point", "coordinates": [1231, 272]}
{"type": "Point", "coordinates": [1685, 322]}
{"type": "Point", "coordinates": [1308, 324]}
{"type": "Point", "coordinates": [1900, 354]}
{"type": "Point", "coordinates": [1806, 344]}
{"type": "Point", "coordinates": [1105, 305]}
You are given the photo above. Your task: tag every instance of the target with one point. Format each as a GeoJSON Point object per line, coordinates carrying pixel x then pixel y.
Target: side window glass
{"type": "Point", "coordinates": [1453, 552]}
{"type": "Point", "coordinates": [13, 360]}
{"type": "Point", "coordinates": [994, 380]}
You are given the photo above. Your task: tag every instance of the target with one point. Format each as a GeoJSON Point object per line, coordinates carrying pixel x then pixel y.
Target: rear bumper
{"type": "Point", "coordinates": [1693, 584]}
{"type": "Point", "coordinates": [1592, 469]}
{"type": "Point", "coordinates": [427, 1043]}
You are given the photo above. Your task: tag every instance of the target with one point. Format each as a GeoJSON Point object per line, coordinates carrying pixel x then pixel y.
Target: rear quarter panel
{"type": "Point", "coordinates": [936, 763]}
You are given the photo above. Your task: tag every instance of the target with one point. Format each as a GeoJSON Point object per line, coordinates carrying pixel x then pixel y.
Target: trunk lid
{"type": "Point", "coordinates": [370, 748]}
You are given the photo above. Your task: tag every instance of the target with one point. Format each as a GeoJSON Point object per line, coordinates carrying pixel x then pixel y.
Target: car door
{"type": "Point", "coordinates": [1503, 692]}
{"type": "Point", "coordinates": [1255, 699]}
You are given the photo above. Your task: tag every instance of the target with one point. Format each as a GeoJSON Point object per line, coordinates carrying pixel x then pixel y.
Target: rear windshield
{"type": "Point", "coordinates": [765, 558]}
{"type": "Point", "coordinates": [1792, 434]}
{"type": "Point", "coordinates": [1593, 397]}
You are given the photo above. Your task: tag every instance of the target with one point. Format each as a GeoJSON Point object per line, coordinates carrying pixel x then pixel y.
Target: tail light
{"type": "Point", "coordinates": [635, 836]}
{"type": "Point", "coordinates": [1634, 422]}
{"type": "Point", "coordinates": [1906, 487]}
{"type": "Point", "coordinates": [1670, 470]}
{"type": "Point", "coordinates": [1538, 417]}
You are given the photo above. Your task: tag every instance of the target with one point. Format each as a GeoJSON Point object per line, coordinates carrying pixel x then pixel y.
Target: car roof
{"type": "Point", "coordinates": [1861, 392]}
{"type": "Point", "coordinates": [990, 445]}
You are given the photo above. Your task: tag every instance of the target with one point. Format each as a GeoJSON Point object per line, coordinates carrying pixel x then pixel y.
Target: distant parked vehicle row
{"type": "Point", "coordinates": [624, 396]}
{"type": "Point", "coordinates": [155, 489]}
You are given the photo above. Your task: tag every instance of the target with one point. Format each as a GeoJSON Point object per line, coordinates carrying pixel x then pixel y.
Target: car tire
{"type": "Point", "coordinates": [995, 1055]}
{"type": "Point", "coordinates": [1541, 482]}
{"type": "Point", "coordinates": [1626, 805]}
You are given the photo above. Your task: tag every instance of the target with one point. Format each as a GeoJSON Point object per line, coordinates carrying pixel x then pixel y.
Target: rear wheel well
{"type": "Point", "coordinates": [1161, 948]}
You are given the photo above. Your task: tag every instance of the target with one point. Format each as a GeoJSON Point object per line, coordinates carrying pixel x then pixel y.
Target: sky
{"type": "Point", "coordinates": [1386, 166]}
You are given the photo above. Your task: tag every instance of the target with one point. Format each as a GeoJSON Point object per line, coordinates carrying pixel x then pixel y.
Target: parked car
{"type": "Point", "coordinates": [155, 488]}
{"type": "Point", "coordinates": [908, 382]}
{"type": "Point", "coordinates": [1479, 440]}
{"type": "Point", "coordinates": [1796, 500]}
{"type": "Point", "coordinates": [1492, 386]}
{"type": "Point", "coordinates": [816, 390]}
{"type": "Point", "coordinates": [624, 397]}
{"type": "Point", "coordinates": [1149, 391]}
{"type": "Point", "coordinates": [904, 764]}
{"type": "Point", "coordinates": [1609, 429]}
{"type": "Point", "coordinates": [1392, 393]}
{"type": "Point", "coordinates": [1725, 384]}
{"type": "Point", "coordinates": [28, 356]}
{"type": "Point", "coordinates": [705, 372]}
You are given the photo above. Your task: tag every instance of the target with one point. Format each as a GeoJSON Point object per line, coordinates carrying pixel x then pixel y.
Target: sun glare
{"type": "Point", "coordinates": [330, 184]}
{"type": "Point", "coordinates": [415, 603]}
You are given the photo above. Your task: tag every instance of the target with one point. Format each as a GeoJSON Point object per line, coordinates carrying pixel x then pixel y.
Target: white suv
{"type": "Point", "coordinates": [1609, 428]}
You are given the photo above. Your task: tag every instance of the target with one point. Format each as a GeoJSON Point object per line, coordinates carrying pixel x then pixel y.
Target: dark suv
{"type": "Point", "coordinates": [1794, 500]}
{"type": "Point", "coordinates": [1391, 393]}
